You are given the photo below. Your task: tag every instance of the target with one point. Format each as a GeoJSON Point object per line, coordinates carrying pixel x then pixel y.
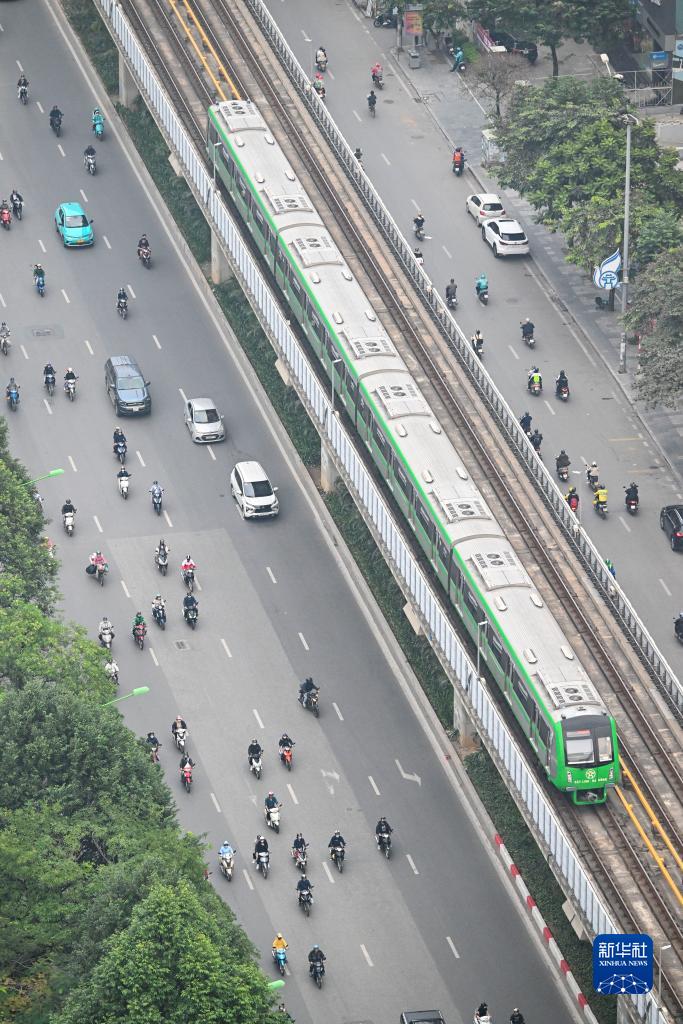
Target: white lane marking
{"type": "Point", "coordinates": [374, 785]}
{"type": "Point", "coordinates": [88, 346]}
{"type": "Point", "coordinates": [215, 802]}
{"type": "Point", "coordinates": [47, 406]}
{"type": "Point", "coordinates": [330, 75]}
{"type": "Point", "coordinates": [2, 300]}
{"type": "Point", "coordinates": [327, 871]}
{"type": "Point", "coordinates": [59, 147]}
{"type": "Point", "coordinates": [248, 879]}
{"type": "Point", "coordinates": [66, 297]}
{"type": "Point", "coordinates": [140, 459]}
{"type": "Point", "coordinates": [40, 106]}
{"type": "Point", "coordinates": [454, 951]}
{"type": "Point", "coordinates": [665, 588]}
{"type": "Point", "coordinates": [624, 524]}
{"type": "Point", "coordinates": [18, 63]}
{"type": "Point", "coordinates": [225, 648]}
{"type": "Point", "coordinates": [125, 588]}
{"type": "Point", "coordinates": [515, 354]}
{"type": "Point", "coordinates": [40, 243]}
{"type": "Point", "coordinates": [156, 341]}
{"type": "Point", "coordinates": [415, 205]}
{"type": "Point", "coordinates": [168, 519]}
{"type": "Point", "coordinates": [183, 395]}
{"type": "Point", "coordinates": [130, 289]}
{"type": "Point", "coordinates": [23, 352]}
{"type": "Point", "coordinates": [306, 39]}
{"type": "Point", "coordinates": [258, 718]}
{"type": "Point", "coordinates": [154, 657]}
{"type": "Point", "coordinates": [448, 254]}
{"type": "Point", "coordinates": [412, 864]}
{"type": "Point", "coordinates": [1, 157]}
{"type": "Point", "coordinates": [72, 463]}
{"type": "Point", "coordinates": [303, 641]}
{"type": "Point", "coordinates": [97, 524]}
{"type": "Point", "coordinates": [386, 159]}
{"type": "Point", "coordinates": [366, 955]}
{"type": "Point", "coordinates": [356, 115]}
{"type": "Point", "coordinates": [270, 573]}
{"type": "Point", "coordinates": [197, 583]}
{"type": "Point", "coordinates": [211, 452]}
{"type": "Point", "coordinates": [85, 198]}
{"type": "Point", "coordinates": [108, 245]}
{"type": "Point", "coordinates": [339, 714]}
{"type": "Point", "coordinates": [292, 793]}
{"type": "Point", "coordinates": [549, 407]}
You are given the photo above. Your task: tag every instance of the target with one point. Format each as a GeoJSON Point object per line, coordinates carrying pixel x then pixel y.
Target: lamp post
{"type": "Point", "coordinates": [662, 950]}
{"type": "Point", "coordinates": [629, 120]}
{"type": "Point", "coordinates": [46, 476]}
{"type": "Point", "coordinates": [137, 692]}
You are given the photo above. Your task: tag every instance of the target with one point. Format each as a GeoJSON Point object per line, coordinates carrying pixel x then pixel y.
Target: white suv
{"type": "Point", "coordinates": [505, 236]}
{"type": "Point", "coordinates": [253, 492]}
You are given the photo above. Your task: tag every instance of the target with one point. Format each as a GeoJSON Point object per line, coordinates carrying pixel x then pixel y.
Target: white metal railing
{"type": "Point", "coordinates": [427, 601]}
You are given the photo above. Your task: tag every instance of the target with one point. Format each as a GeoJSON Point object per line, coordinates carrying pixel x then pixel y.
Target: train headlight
{"type": "Point", "coordinates": [611, 775]}
{"type": "Point", "coordinates": [569, 775]}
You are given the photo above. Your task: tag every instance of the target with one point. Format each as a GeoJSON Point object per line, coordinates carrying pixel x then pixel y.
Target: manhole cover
{"type": "Point", "coordinates": [41, 332]}
{"type": "Point", "coordinates": [512, 302]}
{"type": "Point", "coordinates": [182, 645]}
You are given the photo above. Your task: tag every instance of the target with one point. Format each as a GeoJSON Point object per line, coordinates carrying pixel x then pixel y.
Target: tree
{"type": "Point", "coordinates": [172, 965]}
{"type": "Point", "coordinates": [442, 15]}
{"type": "Point", "coordinates": [495, 74]}
{"type": "Point", "coordinates": [656, 314]}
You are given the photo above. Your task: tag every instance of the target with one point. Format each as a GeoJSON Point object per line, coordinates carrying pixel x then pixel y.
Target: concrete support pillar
{"type": "Point", "coordinates": [220, 268]}
{"type": "Point", "coordinates": [128, 90]}
{"type": "Point", "coordinates": [328, 470]}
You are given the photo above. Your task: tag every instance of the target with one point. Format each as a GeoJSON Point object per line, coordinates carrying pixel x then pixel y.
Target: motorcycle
{"type": "Point", "coordinates": [227, 865]}
{"type": "Point", "coordinates": [124, 484]}
{"type": "Point", "coordinates": [13, 398]}
{"type": "Point", "coordinates": [120, 451]}
{"type": "Point", "coordinates": [68, 520]}
{"type": "Point", "coordinates": [122, 308]}
{"type": "Point", "coordinates": [306, 901]}
{"type": "Point", "coordinates": [161, 561]}
{"type": "Point", "coordinates": [458, 167]}
{"type": "Point", "coordinates": [386, 20]}
{"type": "Point", "coordinates": [145, 256]}
{"type": "Point", "coordinates": [188, 579]}
{"type": "Point", "coordinates": [40, 284]}
{"type": "Point", "coordinates": [272, 817]}
{"type": "Point", "coordinates": [452, 301]}
{"type": "Point", "coordinates": [22, 94]}
{"type": "Point", "coordinates": [6, 217]}
{"type": "Point", "coordinates": [106, 637]}
{"type": "Point", "coordinates": [337, 854]}
{"type": "Point", "coordinates": [5, 343]}
{"type": "Point", "coordinates": [98, 127]}
{"type": "Point", "coordinates": [18, 208]}
{"type": "Point", "coordinates": [378, 79]}
{"type": "Point", "coordinates": [286, 757]}
{"type": "Point", "coordinates": [191, 616]}
{"type": "Point", "coordinates": [563, 473]}
{"type": "Point", "coordinates": [159, 616]}
{"type": "Point", "coordinates": [601, 508]}
{"type": "Point", "coordinates": [112, 670]}
{"type": "Point", "coordinates": [180, 739]}
{"type": "Point", "coordinates": [186, 777]}
{"type": "Point", "coordinates": [263, 862]}
{"type": "Point", "coordinates": [593, 478]}
{"type": "Point", "coordinates": [318, 972]}
{"type": "Point", "coordinates": [384, 844]}
{"type": "Point", "coordinates": [478, 346]}
{"type": "Point", "coordinates": [156, 500]}
{"type": "Point", "coordinates": [56, 125]}
{"type": "Point", "coordinates": [310, 702]}
{"type": "Point", "coordinates": [300, 858]}
{"type": "Point", "coordinates": [280, 958]}
{"type": "Point", "coordinates": [49, 382]}
{"type": "Point", "coordinates": [535, 387]}
{"type": "Point", "coordinates": [321, 63]}
{"type": "Point", "coordinates": [483, 296]}
{"type": "Point", "coordinates": [528, 338]}
{"type": "Point", "coordinates": [573, 502]}
{"type": "Point", "coordinates": [139, 633]}
{"type": "Point", "coordinates": [678, 629]}
{"type": "Point", "coordinates": [90, 164]}
{"type": "Point", "coordinates": [98, 572]}
{"type": "Point", "coordinates": [631, 505]}
{"type": "Point", "coordinates": [70, 389]}
{"type": "Point", "coordinates": [419, 232]}
{"type": "Point", "coordinates": [256, 766]}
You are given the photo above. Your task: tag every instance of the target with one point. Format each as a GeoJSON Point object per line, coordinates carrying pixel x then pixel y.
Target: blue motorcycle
{"type": "Point", "coordinates": [280, 958]}
{"type": "Point", "coordinates": [13, 398]}
{"type": "Point", "coordinates": [40, 283]}
{"type": "Point", "coordinates": [98, 125]}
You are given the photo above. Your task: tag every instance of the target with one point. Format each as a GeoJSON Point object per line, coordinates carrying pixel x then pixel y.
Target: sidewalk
{"type": "Point", "coordinates": [460, 116]}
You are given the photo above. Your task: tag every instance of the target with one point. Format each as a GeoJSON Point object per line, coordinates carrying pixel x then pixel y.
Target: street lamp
{"type": "Point", "coordinates": [137, 692]}
{"type": "Point", "coordinates": [46, 476]}
{"type": "Point", "coordinates": [662, 950]}
{"type": "Point", "coordinates": [628, 120]}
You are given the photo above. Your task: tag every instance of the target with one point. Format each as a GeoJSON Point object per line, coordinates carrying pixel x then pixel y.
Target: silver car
{"type": "Point", "coordinates": [204, 421]}
{"type": "Point", "coordinates": [253, 491]}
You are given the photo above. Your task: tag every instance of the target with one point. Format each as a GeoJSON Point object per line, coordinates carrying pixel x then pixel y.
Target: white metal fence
{"type": "Point", "coordinates": [427, 601]}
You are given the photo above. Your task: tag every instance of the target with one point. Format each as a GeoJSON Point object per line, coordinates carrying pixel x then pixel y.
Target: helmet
{"type": "Point", "coordinates": [561, 373]}
{"type": "Point", "coordinates": [69, 369]}
{"type": "Point", "coordinates": [258, 837]}
{"type": "Point", "coordinates": [178, 718]}
{"type": "Point", "coordinates": [572, 490]}
{"type": "Point", "coordinates": [254, 740]}
{"type": "Point", "coordinates": [303, 874]}
{"type": "Point", "coordinates": [68, 501]}
{"type": "Point", "coordinates": [279, 935]}
{"type": "Point", "coordinates": [155, 483]}
{"type": "Point", "coordinates": [594, 465]}
{"type": "Point", "coordinates": [562, 451]}
{"type": "Point", "coordinates": [158, 598]}
{"type": "Point", "coordinates": [226, 842]}
{"type": "Point", "coordinates": [96, 110]}
{"type": "Point", "coordinates": [316, 946]}
{"type": "Point", "coordinates": [270, 792]}
{"type": "Point", "coordinates": [528, 320]}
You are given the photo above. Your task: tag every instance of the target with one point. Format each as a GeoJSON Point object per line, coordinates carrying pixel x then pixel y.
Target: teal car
{"type": "Point", "coordinates": [73, 226]}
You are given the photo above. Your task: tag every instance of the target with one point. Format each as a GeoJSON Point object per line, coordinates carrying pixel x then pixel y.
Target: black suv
{"type": "Point", "coordinates": [513, 45]}
{"type": "Point", "coordinates": [126, 386]}
{"type": "Point", "coordinates": [671, 521]}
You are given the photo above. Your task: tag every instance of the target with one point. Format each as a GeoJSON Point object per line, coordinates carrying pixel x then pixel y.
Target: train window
{"type": "Point", "coordinates": [258, 217]}
{"type": "Point", "coordinates": [403, 481]}
{"type": "Point", "coordinates": [317, 327]}
{"type": "Point", "coordinates": [444, 552]}
{"type": "Point", "coordinates": [296, 287]}
{"type": "Point", "coordinates": [424, 520]}
{"type": "Point", "coordinates": [544, 732]}
{"type": "Point", "coordinates": [472, 603]}
{"type": "Point", "coordinates": [579, 744]}
{"type": "Point", "coordinates": [499, 652]}
{"type": "Point", "coordinates": [269, 237]}
{"type": "Point", "coordinates": [281, 258]}
{"type": "Point", "coordinates": [523, 694]}
{"type": "Point", "coordinates": [230, 164]}
{"type": "Point", "coordinates": [331, 350]}
{"type": "Point", "coordinates": [241, 185]}
{"type": "Point", "coordinates": [363, 410]}
{"type": "Point", "coordinates": [351, 387]}
{"type": "Point", "coordinates": [381, 443]}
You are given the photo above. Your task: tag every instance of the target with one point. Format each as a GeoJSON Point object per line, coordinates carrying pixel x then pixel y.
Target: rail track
{"type": "Point", "coordinates": [615, 850]}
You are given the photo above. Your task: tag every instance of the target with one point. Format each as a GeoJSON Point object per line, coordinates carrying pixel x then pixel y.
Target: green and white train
{"type": "Point", "coordinates": [559, 709]}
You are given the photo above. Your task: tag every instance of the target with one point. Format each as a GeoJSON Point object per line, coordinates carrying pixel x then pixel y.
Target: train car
{"type": "Point", "coordinates": [560, 711]}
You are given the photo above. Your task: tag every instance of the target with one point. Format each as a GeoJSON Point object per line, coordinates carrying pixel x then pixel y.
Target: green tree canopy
{"type": "Point", "coordinates": [656, 314]}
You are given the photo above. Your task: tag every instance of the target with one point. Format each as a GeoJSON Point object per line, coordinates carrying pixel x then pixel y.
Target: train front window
{"type": "Point", "coordinates": [589, 743]}
{"type": "Point", "coordinates": [579, 745]}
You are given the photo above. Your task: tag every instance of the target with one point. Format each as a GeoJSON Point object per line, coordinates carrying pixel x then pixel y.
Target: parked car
{"type": "Point", "coordinates": [671, 521]}
{"type": "Point", "coordinates": [513, 45]}
{"type": "Point", "coordinates": [505, 236]}
{"type": "Point", "coordinates": [204, 421]}
{"type": "Point", "coordinates": [72, 225]}
{"type": "Point", "coordinates": [253, 491]}
{"type": "Point", "coordinates": [483, 205]}
{"type": "Point", "coordinates": [126, 386]}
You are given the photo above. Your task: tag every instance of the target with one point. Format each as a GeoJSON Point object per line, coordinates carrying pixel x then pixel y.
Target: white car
{"type": "Point", "coordinates": [204, 421]}
{"type": "Point", "coordinates": [505, 236]}
{"type": "Point", "coordinates": [253, 491]}
{"type": "Point", "coordinates": [484, 204]}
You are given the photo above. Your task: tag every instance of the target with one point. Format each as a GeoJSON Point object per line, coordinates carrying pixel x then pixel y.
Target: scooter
{"type": "Point", "coordinates": [562, 392]}
{"type": "Point", "coordinates": [263, 862]}
{"type": "Point", "coordinates": [478, 346]}
{"type": "Point", "coordinates": [5, 342]}
{"type": "Point", "coordinates": [528, 338]}
{"type": "Point", "coordinates": [280, 958]}
{"type": "Point", "coordinates": [98, 127]}
{"type": "Point", "coordinates": [161, 560]}
{"type": "Point", "coordinates": [159, 616]}
{"type": "Point", "coordinates": [156, 500]}
{"type": "Point", "coordinates": [22, 94]}
{"type": "Point", "coordinates": [56, 125]}
{"type": "Point", "coordinates": [50, 384]}
{"type": "Point", "coordinates": [535, 387]}
{"type": "Point", "coordinates": [384, 844]}
{"type": "Point", "coordinates": [18, 208]}
{"type": "Point", "coordinates": [191, 616]}
{"type": "Point", "coordinates": [386, 20]}
{"type": "Point", "coordinates": [68, 520]}
{"type": "Point", "coordinates": [286, 757]}
{"type": "Point", "coordinates": [337, 854]}
{"type": "Point", "coordinates": [309, 702]}
{"type": "Point", "coordinates": [631, 505]}
{"type": "Point", "coordinates": [256, 766]}
{"type": "Point", "coordinates": [139, 633]}
{"type": "Point", "coordinates": [227, 865]}
{"type": "Point", "coordinates": [145, 256]}
{"type": "Point", "coordinates": [122, 308]}
{"type": "Point", "coordinates": [180, 739]}
{"type": "Point", "coordinates": [124, 484]}
{"type": "Point", "coordinates": [272, 816]}
{"type": "Point", "coordinates": [70, 389]}
{"type": "Point", "coordinates": [563, 473]}
{"type": "Point", "coordinates": [13, 398]}
{"type": "Point", "coordinates": [483, 295]}
{"type": "Point", "coordinates": [186, 777]}
{"type": "Point", "coordinates": [300, 858]}
{"type": "Point", "coordinates": [601, 508]}
{"type": "Point", "coordinates": [120, 451]}
{"type": "Point", "coordinates": [90, 164]}
{"type": "Point", "coordinates": [40, 284]}
{"type": "Point", "coordinates": [106, 637]}
{"type": "Point", "coordinates": [6, 217]}
{"type": "Point", "coordinates": [419, 232]}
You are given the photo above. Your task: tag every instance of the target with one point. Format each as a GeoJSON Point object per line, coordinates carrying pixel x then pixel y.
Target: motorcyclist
{"type": "Point", "coordinates": [260, 846]}
{"type": "Point", "coordinates": [162, 549]}
{"type": "Point", "coordinates": [187, 566]}
{"type": "Point", "coordinates": [143, 243]}
{"type": "Point", "coordinates": [97, 118]}
{"type": "Point", "coordinates": [600, 497]}
{"type": "Point", "coordinates": [226, 851]}
{"type": "Point", "coordinates": [316, 956]}
{"type": "Point", "coordinates": [451, 292]}
{"type": "Point", "coordinates": [481, 1011]}
{"type": "Point", "coordinates": [336, 840]}
{"type": "Point", "coordinates": [189, 602]}
{"type": "Point", "coordinates": [372, 99]}
{"type": "Point", "coordinates": [299, 844]}
{"type": "Point", "coordinates": [186, 762]}
{"type": "Point", "coordinates": [678, 625]}
{"type": "Point", "coordinates": [271, 803]}
{"type": "Point", "coordinates": [536, 439]}
{"type": "Point", "coordinates": [418, 224]}
{"type": "Point", "coordinates": [153, 742]}
{"type": "Point", "coordinates": [319, 85]}
{"type": "Point", "coordinates": [178, 723]}
{"type": "Point", "coordinates": [561, 382]}
{"type": "Point", "coordinates": [611, 568]}
{"type": "Point", "coordinates": [4, 205]}
{"type": "Point", "coordinates": [284, 743]}
{"type": "Point", "coordinates": [377, 73]}
{"type": "Point", "coordinates": [158, 606]}
{"type": "Point", "coordinates": [302, 886]}
{"type": "Point", "coordinates": [382, 828]}
{"type": "Point", "coordinates": [23, 83]}
{"type": "Point", "coordinates": [321, 56]}
{"type": "Point", "coordinates": [12, 386]}
{"type": "Point", "coordinates": [55, 115]}
{"type": "Point", "coordinates": [279, 942]}
{"type": "Point", "coordinates": [525, 422]}
{"type": "Point", "coordinates": [16, 199]}
{"type": "Point", "coordinates": [477, 341]}
{"type": "Point", "coordinates": [138, 621]}
{"type": "Point", "coordinates": [592, 474]}
{"type": "Point", "coordinates": [562, 461]}
{"type": "Point", "coordinates": [68, 377]}
{"type": "Point", "coordinates": [306, 689]}
{"type": "Point", "coordinates": [112, 669]}
{"type": "Point", "coordinates": [121, 297]}
{"type": "Point", "coordinates": [481, 284]}
{"type": "Point", "coordinates": [105, 626]}
{"type": "Point", "coordinates": [156, 490]}
{"type": "Point", "coordinates": [89, 151]}
{"type": "Point", "coordinates": [48, 371]}
{"type": "Point", "coordinates": [527, 329]}
{"type": "Point", "coordinates": [254, 751]}
{"type": "Point", "coordinates": [358, 153]}
{"type": "Point", "coordinates": [516, 1017]}
{"type": "Point", "coordinates": [123, 474]}
{"type": "Point", "coordinates": [68, 507]}
{"type": "Point", "coordinates": [417, 253]}
{"type": "Point", "coordinates": [572, 499]}
{"type": "Point", "coordinates": [458, 58]}
{"type": "Point", "coordinates": [4, 330]}
{"type": "Point", "coordinates": [38, 273]}
{"type": "Point", "coordinates": [97, 559]}
{"type": "Point", "coordinates": [534, 378]}
{"type": "Point", "coordinates": [459, 157]}
{"type": "Point", "coordinates": [119, 438]}
{"type": "Point", "coordinates": [631, 493]}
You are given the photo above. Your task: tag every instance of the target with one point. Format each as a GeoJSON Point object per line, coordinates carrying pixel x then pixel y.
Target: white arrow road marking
{"type": "Point", "coordinates": [329, 775]}
{"type": "Point", "coordinates": [406, 775]}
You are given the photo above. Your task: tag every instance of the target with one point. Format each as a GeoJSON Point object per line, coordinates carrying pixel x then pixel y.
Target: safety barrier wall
{"type": "Point", "coordinates": [424, 598]}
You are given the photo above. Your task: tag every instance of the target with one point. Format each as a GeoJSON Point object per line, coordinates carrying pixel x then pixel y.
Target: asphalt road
{"type": "Point", "coordinates": [408, 160]}
{"type": "Point", "coordinates": [434, 926]}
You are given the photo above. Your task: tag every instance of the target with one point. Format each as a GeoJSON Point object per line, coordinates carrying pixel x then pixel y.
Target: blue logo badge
{"type": "Point", "coordinates": [623, 964]}
{"type": "Point", "coordinates": [607, 274]}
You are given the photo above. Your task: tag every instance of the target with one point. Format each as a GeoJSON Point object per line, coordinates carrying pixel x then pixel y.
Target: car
{"type": "Point", "coordinates": [126, 386]}
{"type": "Point", "coordinates": [513, 45]}
{"type": "Point", "coordinates": [72, 225]}
{"type": "Point", "coordinates": [204, 421]}
{"type": "Point", "coordinates": [505, 236]}
{"type": "Point", "coordinates": [484, 204]}
{"type": "Point", "coordinates": [253, 491]}
{"type": "Point", "coordinates": [671, 521]}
